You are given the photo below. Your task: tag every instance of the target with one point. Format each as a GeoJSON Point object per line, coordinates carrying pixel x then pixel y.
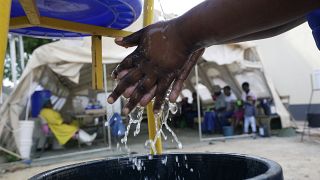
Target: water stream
{"type": "Point", "coordinates": [161, 122]}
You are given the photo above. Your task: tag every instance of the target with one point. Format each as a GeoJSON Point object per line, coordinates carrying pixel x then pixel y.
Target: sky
{"type": "Point", "coordinates": [176, 6]}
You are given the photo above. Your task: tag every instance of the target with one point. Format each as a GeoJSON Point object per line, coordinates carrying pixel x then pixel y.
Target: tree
{"type": "Point", "coordinates": [30, 44]}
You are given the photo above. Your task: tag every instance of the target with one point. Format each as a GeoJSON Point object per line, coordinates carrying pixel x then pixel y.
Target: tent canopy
{"type": "Point", "coordinates": [53, 18]}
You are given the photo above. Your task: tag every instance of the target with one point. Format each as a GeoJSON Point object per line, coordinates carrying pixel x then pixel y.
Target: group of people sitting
{"type": "Point", "coordinates": [228, 109]}
{"type": "Point", "coordinates": [231, 111]}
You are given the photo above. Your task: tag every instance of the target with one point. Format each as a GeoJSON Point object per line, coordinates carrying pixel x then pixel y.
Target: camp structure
{"type": "Point", "coordinates": [63, 67]}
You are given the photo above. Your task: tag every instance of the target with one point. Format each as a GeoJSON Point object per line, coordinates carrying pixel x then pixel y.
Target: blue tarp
{"type": "Point", "coordinates": [314, 23]}
{"type": "Point", "coordinates": [116, 14]}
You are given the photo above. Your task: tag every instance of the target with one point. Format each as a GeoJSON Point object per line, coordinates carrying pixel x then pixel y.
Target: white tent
{"type": "Point", "coordinates": [289, 59]}
{"type": "Point", "coordinates": [296, 53]}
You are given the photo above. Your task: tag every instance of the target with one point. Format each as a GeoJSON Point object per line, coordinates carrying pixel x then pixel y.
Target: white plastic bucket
{"type": "Point", "coordinates": [25, 137]}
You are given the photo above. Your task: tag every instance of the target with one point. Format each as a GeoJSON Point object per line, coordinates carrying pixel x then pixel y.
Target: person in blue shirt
{"type": "Point", "coordinates": [167, 51]}
{"type": "Point", "coordinates": [249, 115]}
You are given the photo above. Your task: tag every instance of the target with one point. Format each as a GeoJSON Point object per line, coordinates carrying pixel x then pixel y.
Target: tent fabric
{"type": "Point", "coordinates": [226, 54]}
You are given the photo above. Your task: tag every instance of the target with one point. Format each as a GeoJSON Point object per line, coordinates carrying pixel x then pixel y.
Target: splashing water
{"type": "Point", "coordinates": [137, 164]}
{"type": "Point", "coordinates": [162, 117]}
{"type": "Point", "coordinates": [135, 117]}
{"type": "Point", "coordinates": [164, 161]}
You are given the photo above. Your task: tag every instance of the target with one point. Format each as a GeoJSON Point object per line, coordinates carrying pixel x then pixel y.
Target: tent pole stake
{"type": "Point", "coordinates": [10, 152]}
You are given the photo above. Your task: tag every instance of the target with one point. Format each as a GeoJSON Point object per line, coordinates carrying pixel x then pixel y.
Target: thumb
{"type": "Point", "coordinates": [131, 40]}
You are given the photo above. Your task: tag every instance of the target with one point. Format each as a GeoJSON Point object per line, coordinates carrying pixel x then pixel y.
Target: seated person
{"type": "Point", "coordinates": [230, 100]}
{"type": "Point", "coordinates": [62, 131]}
{"type": "Point", "coordinates": [185, 113]}
{"type": "Point", "coordinates": [220, 106]}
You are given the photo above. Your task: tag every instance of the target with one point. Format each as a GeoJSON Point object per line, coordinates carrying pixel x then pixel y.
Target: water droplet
{"type": "Point", "coordinates": [191, 170]}
{"type": "Point", "coordinates": [150, 157]}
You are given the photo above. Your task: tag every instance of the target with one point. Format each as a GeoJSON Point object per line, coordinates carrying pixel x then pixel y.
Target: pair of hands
{"type": "Point", "coordinates": [160, 59]}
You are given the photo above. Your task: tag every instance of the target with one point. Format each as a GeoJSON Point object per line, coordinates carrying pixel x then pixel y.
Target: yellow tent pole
{"type": "Point", "coordinates": [148, 12]}
{"type": "Point", "coordinates": [4, 27]}
{"type": "Point", "coordinates": [97, 69]}
{"type": "Point", "coordinates": [147, 20]}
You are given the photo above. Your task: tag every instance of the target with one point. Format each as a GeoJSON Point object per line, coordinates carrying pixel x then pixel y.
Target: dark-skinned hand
{"type": "Point", "coordinates": [160, 59]}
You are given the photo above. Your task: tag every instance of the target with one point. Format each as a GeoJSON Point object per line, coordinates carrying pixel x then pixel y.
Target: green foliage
{"type": "Point", "coordinates": [11, 158]}
{"type": "Point", "coordinates": [30, 44]}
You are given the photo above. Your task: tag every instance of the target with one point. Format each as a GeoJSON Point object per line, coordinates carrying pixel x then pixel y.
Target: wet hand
{"type": "Point", "coordinates": [160, 59]}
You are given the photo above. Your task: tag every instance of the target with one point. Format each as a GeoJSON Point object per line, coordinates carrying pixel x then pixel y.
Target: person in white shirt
{"type": "Point", "coordinates": [246, 92]}
{"type": "Point", "coordinates": [230, 100]}
{"type": "Point", "coordinates": [229, 96]}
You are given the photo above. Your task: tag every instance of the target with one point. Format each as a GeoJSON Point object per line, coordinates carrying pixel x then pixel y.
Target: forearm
{"type": "Point", "coordinates": [269, 32]}
{"type": "Point", "coordinates": [219, 21]}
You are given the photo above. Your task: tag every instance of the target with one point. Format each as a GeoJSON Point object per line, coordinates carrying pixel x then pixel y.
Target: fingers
{"type": "Point", "coordinates": [161, 93]}
{"type": "Point", "coordinates": [131, 78]}
{"type": "Point", "coordinates": [176, 89]}
{"type": "Point", "coordinates": [142, 89]}
{"type": "Point", "coordinates": [131, 40]}
{"type": "Point", "coordinates": [190, 64]}
{"type": "Point", "coordinates": [128, 92]}
{"type": "Point", "coordinates": [178, 84]}
{"type": "Point", "coordinates": [148, 97]}
{"type": "Point", "coordinates": [122, 74]}
{"type": "Point", "coordinates": [129, 62]}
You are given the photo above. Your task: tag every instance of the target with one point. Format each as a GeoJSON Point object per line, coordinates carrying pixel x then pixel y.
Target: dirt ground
{"type": "Point", "coordinates": [298, 160]}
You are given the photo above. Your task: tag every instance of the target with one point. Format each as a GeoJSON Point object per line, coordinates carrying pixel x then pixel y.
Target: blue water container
{"type": "Point", "coordinates": [38, 98]}
{"type": "Point", "coordinates": [228, 130]}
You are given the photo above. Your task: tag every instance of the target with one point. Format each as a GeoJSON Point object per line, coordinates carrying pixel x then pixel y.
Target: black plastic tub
{"type": "Point", "coordinates": [170, 166]}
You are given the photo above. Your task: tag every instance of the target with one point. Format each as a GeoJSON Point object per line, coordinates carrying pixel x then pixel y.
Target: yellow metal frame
{"type": "Point", "coordinates": [97, 69]}
{"type": "Point", "coordinates": [4, 27]}
{"type": "Point", "coordinates": [147, 20]}
{"type": "Point", "coordinates": [31, 10]}
{"type": "Point", "coordinates": [53, 23]}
